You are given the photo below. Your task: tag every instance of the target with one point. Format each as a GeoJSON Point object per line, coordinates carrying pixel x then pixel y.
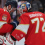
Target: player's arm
{"type": "Point", "coordinates": [21, 29]}
{"type": "Point", "coordinates": [6, 28]}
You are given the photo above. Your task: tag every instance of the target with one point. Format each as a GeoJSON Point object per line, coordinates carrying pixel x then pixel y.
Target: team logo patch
{"type": "Point", "coordinates": [4, 17]}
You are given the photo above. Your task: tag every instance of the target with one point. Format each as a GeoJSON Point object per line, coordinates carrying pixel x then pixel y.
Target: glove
{"type": "Point", "coordinates": [8, 40]}
{"type": "Point", "coordinates": [14, 24]}
{"type": "Point", "coordinates": [1, 39]}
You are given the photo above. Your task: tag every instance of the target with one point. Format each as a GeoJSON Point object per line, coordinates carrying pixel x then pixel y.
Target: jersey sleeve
{"type": "Point", "coordinates": [6, 28]}
{"type": "Point", "coordinates": [22, 28]}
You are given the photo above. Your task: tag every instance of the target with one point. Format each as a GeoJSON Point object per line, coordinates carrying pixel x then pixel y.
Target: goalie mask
{"type": "Point", "coordinates": [25, 6]}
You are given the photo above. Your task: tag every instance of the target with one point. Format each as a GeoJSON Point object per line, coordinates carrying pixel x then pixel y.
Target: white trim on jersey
{"type": "Point", "coordinates": [23, 28]}
{"type": "Point", "coordinates": [2, 22]}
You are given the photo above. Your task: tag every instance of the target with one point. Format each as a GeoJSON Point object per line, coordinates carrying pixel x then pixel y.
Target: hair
{"type": "Point", "coordinates": [23, 0]}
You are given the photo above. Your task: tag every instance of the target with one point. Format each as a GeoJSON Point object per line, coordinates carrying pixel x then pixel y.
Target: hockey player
{"type": "Point", "coordinates": [32, 27]}
{"type": "Point", "coordinates": [7, 40]}
{"type": "Point", "coordinates": [23, 7]}
{"type": "Point", "coordinates": [5, 19]}
{"type": "Point", "coordinates": [6, 26]}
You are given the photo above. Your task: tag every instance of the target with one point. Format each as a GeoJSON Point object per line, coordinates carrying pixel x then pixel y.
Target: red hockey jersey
{"type": "Point", "coordinates": [4, 20]}
{"type": "Point", "coordinates": [4, 16]}
{"type": "Point", "coordinates": [32, 27]}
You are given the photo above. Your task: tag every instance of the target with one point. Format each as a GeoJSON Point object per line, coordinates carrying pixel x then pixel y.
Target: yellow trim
{"type": "Point", "coordinates": [3, 21]}
{"type": "Point", "coordinates": [20, 30]}
{"type": "Point", "coordinates": [23, 24]}
{"type": "Point", "coordinates": [2, 25]}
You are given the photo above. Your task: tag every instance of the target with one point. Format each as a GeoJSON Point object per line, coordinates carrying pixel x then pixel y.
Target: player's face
{"type": "Point", "coordinates": [9, 7]}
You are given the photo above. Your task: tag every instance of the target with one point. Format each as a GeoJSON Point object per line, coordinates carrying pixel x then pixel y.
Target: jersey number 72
{"type": "Point", "coordinates": [38, 22]}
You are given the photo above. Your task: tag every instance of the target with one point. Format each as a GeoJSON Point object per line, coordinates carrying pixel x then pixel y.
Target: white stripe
{"type": "Point", "coordinates": [1, 23]}
{"type": "Point", "coordinates": [23, 28]}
